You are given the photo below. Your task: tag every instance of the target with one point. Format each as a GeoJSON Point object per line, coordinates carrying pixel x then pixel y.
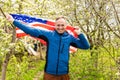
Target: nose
{"type": "Point", "coordinates": [60, 27]}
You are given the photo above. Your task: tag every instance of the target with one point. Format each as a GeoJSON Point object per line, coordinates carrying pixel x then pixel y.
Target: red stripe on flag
{"type": "Point", "coordinates": [20, 35]}
{"type": "Point", "coordinates": [72, 30]}
{"type": "Point", "coordinates": [43, 26]}
{"type": "Point", "coordinates": [50, 23]}
{"type": "Point", "coordinates": [73, 49]}
{"type": "Point", "coordinates": [17, 28]}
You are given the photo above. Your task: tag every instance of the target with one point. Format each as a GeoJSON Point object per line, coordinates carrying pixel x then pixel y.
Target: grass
{"type": "Point", "coordinates": [98, 66]}
{"type": "Point", "coordinates": [26, 70]}
{"type": "Point", "coordinates": [83, 66]}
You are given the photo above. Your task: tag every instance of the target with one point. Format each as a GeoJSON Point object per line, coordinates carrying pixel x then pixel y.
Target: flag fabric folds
{"type": "Point", "coordinates": [40, 23]}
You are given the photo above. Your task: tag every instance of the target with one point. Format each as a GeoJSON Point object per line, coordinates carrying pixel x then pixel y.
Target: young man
{"type": "Point", "coordinates": [58, 43]}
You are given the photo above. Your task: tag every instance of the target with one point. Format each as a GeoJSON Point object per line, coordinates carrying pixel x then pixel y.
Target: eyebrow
{"type": "Point", "coordinates": [61, 24]}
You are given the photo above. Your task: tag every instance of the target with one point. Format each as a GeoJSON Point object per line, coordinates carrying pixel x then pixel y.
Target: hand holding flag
{"type": "Point", "coordinates": [77, 30]}
{"type": "Point", "coordinates": [9, 18]}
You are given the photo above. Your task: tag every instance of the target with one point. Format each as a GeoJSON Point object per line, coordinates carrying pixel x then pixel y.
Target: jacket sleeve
{"type": "Point", "coordinates": [31, 31]}
{"type": "Point", "coordinates": [80, 42]}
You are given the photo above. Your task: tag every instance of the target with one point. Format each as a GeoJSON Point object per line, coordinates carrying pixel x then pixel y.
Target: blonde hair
{"type": "Point", "coordinates": [61, 17]}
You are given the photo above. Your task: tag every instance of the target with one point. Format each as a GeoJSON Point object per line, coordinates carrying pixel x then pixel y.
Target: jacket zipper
{"type": "Point", "coordinates": [58, 55]}
{"type": "Point", "coordinates": [62, 48]}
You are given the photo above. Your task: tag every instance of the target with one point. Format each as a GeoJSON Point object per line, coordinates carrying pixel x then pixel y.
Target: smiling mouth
{"type": "Point", "coordinates": [60, 29]}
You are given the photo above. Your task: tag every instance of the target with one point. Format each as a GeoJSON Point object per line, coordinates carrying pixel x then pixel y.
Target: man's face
{"type": "Point", "coordinates": [60, 25]}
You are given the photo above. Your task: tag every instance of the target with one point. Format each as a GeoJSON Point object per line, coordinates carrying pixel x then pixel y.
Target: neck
{"type": "Point", "coordinates": [59, 33]}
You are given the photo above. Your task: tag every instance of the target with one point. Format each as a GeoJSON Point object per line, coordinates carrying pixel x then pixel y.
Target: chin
{"type": "Point", "coordinates": [60, 32]}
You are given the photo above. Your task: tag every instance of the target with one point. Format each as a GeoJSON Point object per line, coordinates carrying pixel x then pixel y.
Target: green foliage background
{"type": "Point", "coordinates": [98, 19]}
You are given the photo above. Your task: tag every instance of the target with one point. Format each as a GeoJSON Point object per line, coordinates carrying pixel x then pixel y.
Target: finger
{"type": "Point", "coordinates": [7, 16]}
{"type": "Point", "coordinates": [76, 28]}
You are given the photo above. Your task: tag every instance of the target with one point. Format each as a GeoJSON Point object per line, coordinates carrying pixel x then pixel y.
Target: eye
{"type": "Point", "coordinates": [58, 25]}
{"type": "Point", "coordinates": [62, 24]}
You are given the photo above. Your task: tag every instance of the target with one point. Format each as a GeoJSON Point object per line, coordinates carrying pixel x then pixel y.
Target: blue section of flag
{"type": "Point", "coordinates": [27, 19]}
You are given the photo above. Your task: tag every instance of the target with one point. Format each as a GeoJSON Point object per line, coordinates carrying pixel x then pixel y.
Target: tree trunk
{"type": "Point", "coordinates": [40, 50]}
{"type": "Point", "coordinates": [4, 66]}
{"type": "Point", "coordinates": [8, 55]}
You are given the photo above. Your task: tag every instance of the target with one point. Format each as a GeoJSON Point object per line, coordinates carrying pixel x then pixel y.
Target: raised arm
{"type": "Point", "coordinates": [80, 42]}
{"type": "Point", "coordinates": [29, 30]}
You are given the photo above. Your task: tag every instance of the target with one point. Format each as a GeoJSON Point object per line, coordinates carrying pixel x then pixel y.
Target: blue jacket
{"type": "Point", "coordinates": [57, 55]}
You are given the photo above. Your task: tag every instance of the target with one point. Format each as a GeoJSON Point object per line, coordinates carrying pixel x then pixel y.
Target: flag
{"type": "Point", "coordinates": [41, 23]}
